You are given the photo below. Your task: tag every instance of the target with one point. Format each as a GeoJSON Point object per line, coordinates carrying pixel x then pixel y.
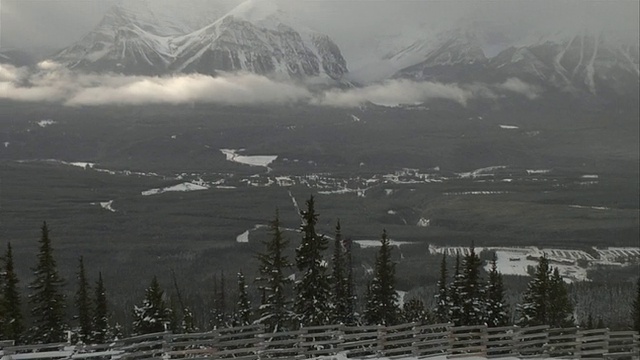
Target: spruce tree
{"type": "Point", "coordinates": [312, 303]}
{"type": "Point", "coordinates": [152, 315]}
{"type": "Point", "coordinates": [339, 279]}
{"type": "Point", "coordinates": [473, 298]}
{"type": "Point", "coordinates": [274, 283]}
{"type": "Point", "coordinates": [101, 332]}
{"type": "Point", "coordinates": [560, 309]}
{"type": "Point", "coordinates": [47, 301]}
{"type": "Point", "coordinates": [350, 293]}
{"type": "Point", "coordinates": [497, 307]}
{"type": "Point", "coordinates": [455, 292]}
{"type": "Point", "coordinates": [534, 308]}
{"type": "Point", "coordinates": [83, 305]}
{"type": "Point", "coordinates": [546, 301]}
{"type": "Point", "coordinates": [414, 311]}
{"type": "Point", "coordinates": [243, 313]}
{"type": "Point", "coordinates": [12, 314]}
{"type": "Point", "coordinates": [442, 297]}
{"type": "Point", "coordinates": [382, 307]}
{"type": "Point", "coordinates": [635, 313]}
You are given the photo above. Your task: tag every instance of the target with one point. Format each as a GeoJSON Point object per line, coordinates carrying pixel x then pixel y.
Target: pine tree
{"type": "Point", "coordinates": [560, 309]}
{"type": "Point", "coordinates": [455, 291]}
{"type": "Point", "coordinates": [243, 313]}
{"type": "Point", "coordinates": [382, 307]}
{"type": "Point", "coordinates": [153, 315]}
{"type": "Point", "coordinates": [83, 305]}
{"type": "Point", "coordinates": [12, 315]}
{"type": "Point", "coordinates": [339, 278]}
{"type": "Point", "coordinates": [101, 332]}
{"type": "Point", "coordinates": [218, 309]}
{"type": "Point", "coordinates": [350, 294]}
{"type": "Point", "coordinates": [635, 312]}
{"type": "Point", "coordinates": [442, 297]}
{"type": "Point", "coordinates": [414, 311]}
{"type": "Point", "coordinates": [534, 309]}
{"type": "Point", "coordinates": [497, 307]}
{"type": "Point", "coordinates": [274, 284]}
{"type": "Point", "coordinates": [473, 300]}
{"type": "Point", "coordinates": [47, 301]}
{"type": "Point", "coordinates": [312, 303]}
{"type": "Point", "coordinates": [546, 301]}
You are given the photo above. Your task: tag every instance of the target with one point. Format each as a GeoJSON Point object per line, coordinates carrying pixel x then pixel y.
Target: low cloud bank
{"type": "Point", "coordinates": [52, 83]}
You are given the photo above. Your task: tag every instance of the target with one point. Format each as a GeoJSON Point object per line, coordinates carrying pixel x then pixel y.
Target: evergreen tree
{"type": "Point", "coordinates": [560, 309]}
{"type": "Point", "coordinates": [47, 301]}
{"type": "Point", "coordinates": [442, 297]}
{"type": "Point", "coordinates": [533, 310]}
{"type": "Point", "coordinates": [455, 291]}
{"type": "Point", "coordinates": [414, 311]}
{"type": "Point", "coordinates": [635, 313]}
{"type": "Point", "coordinates": [382, 307]}
{"type": "Point", "coordinates": [243, 313]}
{"type": "Point", "coordinates": [312, 303]}
{"type": "Point", "coordinates": [339, 293]}
{"type": "Point", "coordinates": [546, 301]}
{"type": "Point", "coordinates": [101, 332]}
{"type": "Point", "coordinates": [473, 298]}
{"type": "Point", "coordinates": [83, 305]}
{"type": "Point", "coordinates": [153, 315]}
{"type": "Point", "coordinates": [350, 294]}
{"type": "Point", "coordinates": [12, 315]}
{"type": "Point", "coordinates": [218, 309]}
{"type": "Point", "coordinates": [274, 283]}
{"type": "Point", "coordinates": [497, 307]}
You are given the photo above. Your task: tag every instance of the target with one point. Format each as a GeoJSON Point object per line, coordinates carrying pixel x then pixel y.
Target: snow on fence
{"type": "Point", "coordinates": [407, 340]}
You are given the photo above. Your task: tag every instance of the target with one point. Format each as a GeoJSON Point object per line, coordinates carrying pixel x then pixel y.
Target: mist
{"type": "Point", "coordinates": [51, 82]}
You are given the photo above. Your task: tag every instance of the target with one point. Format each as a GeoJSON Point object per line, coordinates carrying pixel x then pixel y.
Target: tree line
{"type": "Point", "coordinates": [305, 291]}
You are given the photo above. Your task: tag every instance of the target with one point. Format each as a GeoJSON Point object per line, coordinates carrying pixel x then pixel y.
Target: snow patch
{"type": "Point", "coordinates": [400, 299]}
{"type": "Point", "coordinates": [481, 172]}
{"type": "Point", "coordinates": [509, 127]}
{"type": "Point", "coordinates": [537, 172]}
{"type": "Point", "coordinates": [6, 144]}
{"type": "Point", "coordinates": [423, 222]}
{"type": "Point", "coordinates": [376, 243]}
{"type": "Point", "coordinates": [108, 205]}
{"type": "Point", "coordinates": [253, 160]}
{"type": "Point", "coordinates": [186, 186]}
{"type": "Point", "coordinates": [589, 176]}
{"type": "Point", "coordinates": [355, 118]}
{"type": "Point", "coordinates": [392, 212]}
{"type": "Point", "coordinates": [45, 123]}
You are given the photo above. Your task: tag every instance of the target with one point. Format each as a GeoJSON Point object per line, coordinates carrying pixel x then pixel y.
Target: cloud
{"type": "Point", "coordinates": [407, 92]}
{"type": "Point", "coordinates": [49, 82]}
{"type": "Point", "coordinates": [52, 83]}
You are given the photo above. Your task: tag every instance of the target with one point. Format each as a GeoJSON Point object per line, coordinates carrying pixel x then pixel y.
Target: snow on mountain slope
{"type": "Point", "coordinates": [586, 61]}
{"type": "Point", "coordinates": [146, 37]}
{"type": "Point", "coordinates": [258, 37]}
{"type": "Point", "coordinates": [134, 37]}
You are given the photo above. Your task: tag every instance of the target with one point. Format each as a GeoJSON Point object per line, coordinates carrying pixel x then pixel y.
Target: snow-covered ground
{"type": "Point", "coordinates": [183, 187]}
{"type": "Point", "coordinates": [518, 260]}
{"type": "Point", "coordinates": [45, 123]}
{"type": "Point", "coordinates": [376, 243]}
{"type": "Point", "coordinates": [509, 127]}
{"type": "Point", "coordinates": [251, 160]}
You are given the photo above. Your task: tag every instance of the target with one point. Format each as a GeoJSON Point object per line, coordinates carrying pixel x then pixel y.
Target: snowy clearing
{"type": "Point", "coordinates": [186, 186]}
{"type": "Point", "coordinates": [251, 160]}
{"type": "Point", "coordinates": [45, 123]}
{"type": "Point", "coordinates": [376, 243]}
{"type": "Point", "coordinates": [509, 127]}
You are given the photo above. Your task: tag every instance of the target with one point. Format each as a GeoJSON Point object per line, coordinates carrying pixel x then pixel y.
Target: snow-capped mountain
{"type": "Point", "coordinates": [255, 36]}
{"type": "Point", "coordinates": [574, 61]}
{"type": "Point", "coordinates": [258, 37]}
{"type": "Point", "coordinates": [583, 62]}
{"type": "Point", "coordinates": [448, 58]}
{"type": "Point", "coordinates": [134, 37]}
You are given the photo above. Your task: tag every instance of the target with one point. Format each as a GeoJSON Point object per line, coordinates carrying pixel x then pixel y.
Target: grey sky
{"type": "Point", "coordinates": [352, 23]}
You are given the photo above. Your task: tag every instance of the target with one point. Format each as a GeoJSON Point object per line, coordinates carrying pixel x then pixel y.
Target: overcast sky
{"type": "Point", "coordinates": [58, 23]}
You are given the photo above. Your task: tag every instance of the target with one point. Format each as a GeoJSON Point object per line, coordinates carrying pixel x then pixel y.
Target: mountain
{"type": "Point", "coordinates": [585, 62]}
{"type": "Point", "coordinates": [579, 61]}
{"type": "Point", "coordinates": [254, 36]}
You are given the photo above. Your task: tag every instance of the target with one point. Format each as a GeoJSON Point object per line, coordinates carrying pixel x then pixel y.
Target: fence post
{"type": "Point", "coordinates": [166, 347]}
{"type": "Point", "coordinates": [382, 338]}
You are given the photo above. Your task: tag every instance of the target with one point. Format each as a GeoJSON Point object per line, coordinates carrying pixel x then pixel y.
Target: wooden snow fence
{"type": "Point", "coordinates": [405, 340]}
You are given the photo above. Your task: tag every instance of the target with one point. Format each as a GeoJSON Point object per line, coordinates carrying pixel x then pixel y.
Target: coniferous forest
{"type": "Point", "coordinates": [316, 286]}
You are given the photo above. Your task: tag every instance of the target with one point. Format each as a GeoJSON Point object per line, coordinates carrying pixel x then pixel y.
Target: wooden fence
{"type": "Point", "coordinates": [406, 340]}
